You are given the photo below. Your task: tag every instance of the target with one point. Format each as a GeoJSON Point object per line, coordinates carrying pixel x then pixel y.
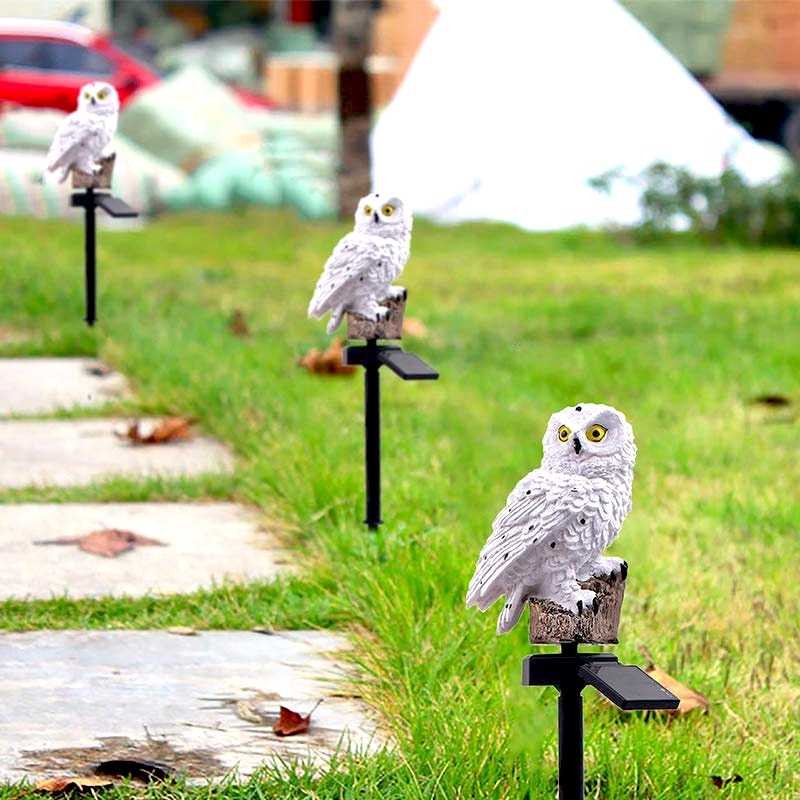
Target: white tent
{"type": "Point", "coordinates": [511, 106]}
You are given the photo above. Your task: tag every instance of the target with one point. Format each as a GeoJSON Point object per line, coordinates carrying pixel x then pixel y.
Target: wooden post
{"type": "Point", "coordinates": [102, 180]}
{"type": "Point", "coordinates": [551, 624]}
{"type": "Point", "coordinates": [359, 327]}
{"type": "Point", "coordinates": [352, 27]}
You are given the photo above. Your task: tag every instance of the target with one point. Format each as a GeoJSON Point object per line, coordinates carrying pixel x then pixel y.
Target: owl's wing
{"type": "Point", "coordinates": [71, 134]}
{"type": "Point", "coordinates": [350, 259]}
{"type": "Point", "coordinates": [543, 509]}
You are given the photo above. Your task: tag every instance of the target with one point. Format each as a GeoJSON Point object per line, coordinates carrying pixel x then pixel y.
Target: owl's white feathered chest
{"type": "Point", "coordinates": [609, 505]}
{"type": "Point", "coordinates": [593, 524]}
{"type": "Point", "coordinates": [100, 129]}
{"type": "Point", "coordinates": [385, 257]}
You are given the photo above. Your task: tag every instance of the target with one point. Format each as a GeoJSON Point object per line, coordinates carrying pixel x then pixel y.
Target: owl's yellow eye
{"type": "Point", "coordinates": [596, 433]}
{"type": "Point", "coordinates": [387, 210]}
{"type": "Point", "coordinates": [102, 94]}
{"type": "Point", "coordinates": [86, 95]}
{"type": "Point", "coordinates": [563, 433]}
{"type": "Point", "coordinates": [367, 210]}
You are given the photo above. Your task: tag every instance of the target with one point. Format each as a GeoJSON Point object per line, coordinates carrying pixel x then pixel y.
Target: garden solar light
{"type": "Point", "coordinates": [77, 149]}
{"type": "Point", "coordinates": [357, 282]}
{"type": "Point", "coordinates": [545, 550]}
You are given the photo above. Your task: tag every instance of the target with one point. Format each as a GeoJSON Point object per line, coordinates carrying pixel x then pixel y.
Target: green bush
{"type": "Point", "coordinates": [722, 210]}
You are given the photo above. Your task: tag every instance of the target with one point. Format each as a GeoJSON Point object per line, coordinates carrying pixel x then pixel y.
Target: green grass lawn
{"type": "Point", "coordinates": [679, 337]}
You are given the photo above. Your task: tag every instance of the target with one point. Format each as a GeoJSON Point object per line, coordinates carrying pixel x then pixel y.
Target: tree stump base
{"type": "Point", "coordinates": [102, 180]}
{"type": "Point", "coordinates": [359, 327]}
{"type": "Point", "coordinates": [551, 624]}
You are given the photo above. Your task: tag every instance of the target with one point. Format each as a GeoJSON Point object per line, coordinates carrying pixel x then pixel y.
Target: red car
{"type": "Point", "coordinates": [44, 63]}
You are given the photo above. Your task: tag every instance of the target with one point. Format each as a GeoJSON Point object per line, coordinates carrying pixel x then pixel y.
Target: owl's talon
{"type": "Point", "coordinates": [397, 293]}
{"type": "Point", "coordinates": [582, 600]}
{"type": "Point", "coordinates": [609, 567]}
{"type": "Point", "coordinates": [596, 604]}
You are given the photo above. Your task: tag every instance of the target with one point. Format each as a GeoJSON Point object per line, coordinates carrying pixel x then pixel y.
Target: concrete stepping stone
{"type": "Point", "coordinates": [202, 704]}
{"type": "Point", "coordinates": [204, 544]}
{"type": "Point", "coordinates": [76, 452]}
{"type": "Point", "coordinates": [42, 385]}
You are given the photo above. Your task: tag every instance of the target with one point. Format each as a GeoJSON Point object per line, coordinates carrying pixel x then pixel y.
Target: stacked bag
{"type": "Point", "coordinates": [184, 143]}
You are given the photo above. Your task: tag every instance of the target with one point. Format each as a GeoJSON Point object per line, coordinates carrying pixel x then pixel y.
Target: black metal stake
{"type": "Point", "coordinates": [90, 248]}
{"type": "Point", "coordinates": [570, 671]}
{"type": "Point", "coordinates": [570, 733]}
{"type": "Point", "coordinates": [372, 430]}
{"type": "Point", "coordinates": [89, 201]}
{"type": "Point", "coordinates": [407, 366]}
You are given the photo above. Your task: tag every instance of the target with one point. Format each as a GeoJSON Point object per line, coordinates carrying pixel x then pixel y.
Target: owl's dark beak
{"type": "Point", "coordinates": [576, 443]}
{"type": "Point", "coordinates": [375, 216]}
{"type": "Point", "coordinates": [94, 101]}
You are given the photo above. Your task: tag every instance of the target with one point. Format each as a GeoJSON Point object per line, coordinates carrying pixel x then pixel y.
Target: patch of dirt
{"type": "Point", "coordinates": [13, 336]}
{"type": "Point", "coordinates": [82, 760]}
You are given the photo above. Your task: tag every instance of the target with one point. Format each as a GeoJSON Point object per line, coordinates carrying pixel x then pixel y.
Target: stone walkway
{"type": "Point", "coordinates": [75, 452]}
{"type": "Point", "coordinates": [44, 385]}
{"type": "Point", "coordinates": [204, 544]}
{"type": "Point", "coordinates": [202, 704]}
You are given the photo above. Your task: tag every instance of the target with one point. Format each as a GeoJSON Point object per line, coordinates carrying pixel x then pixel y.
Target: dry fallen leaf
{"type": "Point", "coordinates": [99, 370]}
{"type": "Point", "coordinates": [237, 324]}
{"type": "Point", "coordinates": [182, 630]}
{"type": "Point", "coordinates": [689, 698]}
{"type": "Point", "coordinates": [328, 362]}
{"type": "Point", "coordinates": [82, 783]}
{"type": "Point", "coordinates": [721, 782]}
{"type": "Point", "coordinates": [290, 723]}
{"type": "Point", "coordinates": [109, 543]}
{"type": "Point", "coordinates": [414, 327]}
{"type": "Point", "coordinates": [169, 429]}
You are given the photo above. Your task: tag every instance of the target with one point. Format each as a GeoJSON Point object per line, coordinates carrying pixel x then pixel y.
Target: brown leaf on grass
{"type": "Point", "coordinates": [80, 784]}
{"type": "Point", "coordinates": [169, 429]}
{"type": "Point", "coordinates": [774, 400]}
{"type": "Point", "coordinates": [414, 327]}
{"type": "Point", "coordinates": [327, 362]}
{"type": "Point", "coordinates": [290, 723]}
{"type": "Point", "coordinates": [721, 782]}
{"type": "Point", "coordinates": [109, 543]}
{"type": "Point", "coordinates": [237, 324]}
{"type": "Point", "coordinates": [690, 700]}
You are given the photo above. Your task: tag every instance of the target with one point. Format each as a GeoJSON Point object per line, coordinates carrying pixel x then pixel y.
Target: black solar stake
{"type": "Point", "coordinates": [372, 356]}
{"type": "Point", "coordinates": [628, 687]}
{"type": "Point", "coordinates": [89, 200]}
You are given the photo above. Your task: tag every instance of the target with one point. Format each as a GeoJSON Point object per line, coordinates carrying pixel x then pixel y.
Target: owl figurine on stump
{"type": "Point", "coordinates": [359, 273]}
{"type": "Point", "coordinates": [83, 136]}
{"type": "Point", "coordinates": [560, 517]}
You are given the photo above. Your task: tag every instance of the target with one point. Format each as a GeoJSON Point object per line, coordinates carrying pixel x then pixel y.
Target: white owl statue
{"type": "Point", "coordinates": [359, 273]}
{"type": "Point", "coordinates": [560, 517]}
{"type": "Point", "coordinates": [83, 135]}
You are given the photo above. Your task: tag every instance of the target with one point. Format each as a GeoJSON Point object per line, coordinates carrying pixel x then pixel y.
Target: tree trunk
{"type": "Point", "coordinates": [352, 27]}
